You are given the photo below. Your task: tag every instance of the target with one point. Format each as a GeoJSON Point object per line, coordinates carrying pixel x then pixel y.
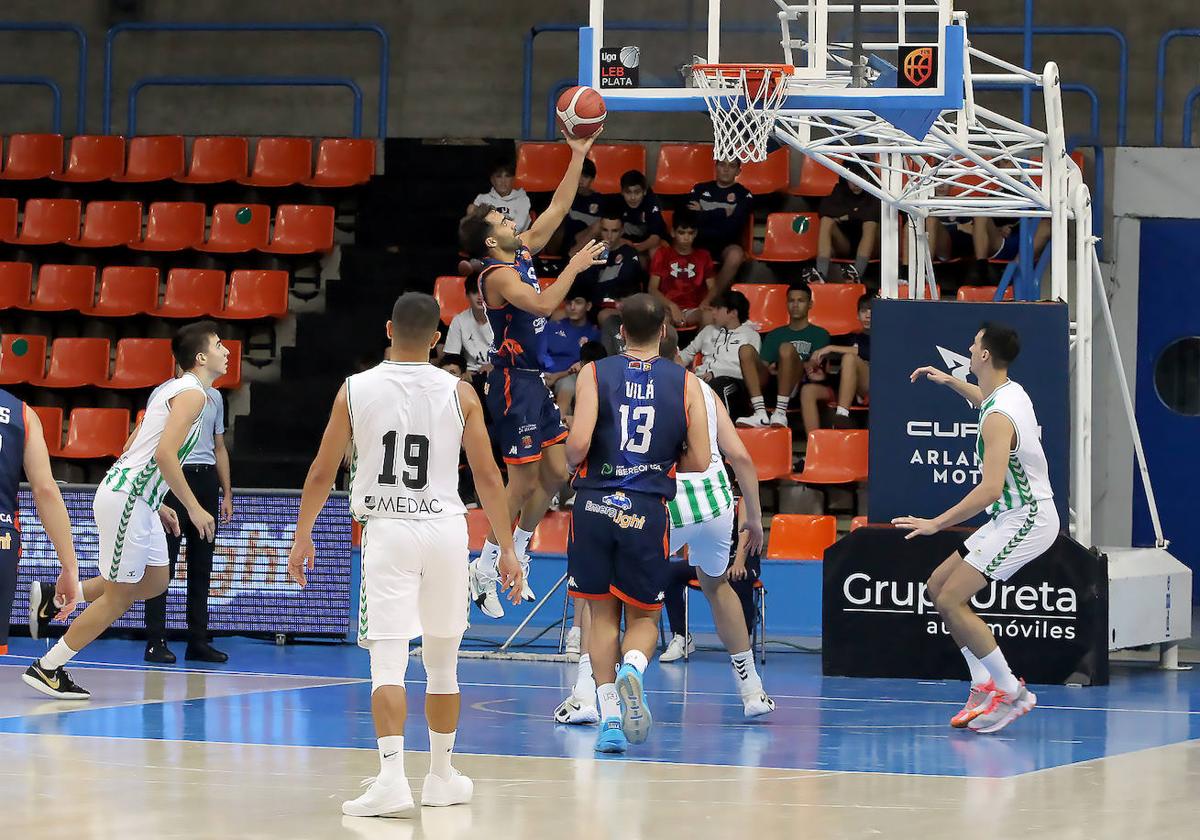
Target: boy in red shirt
{"type": "Point", "coordinates": [683, 276]}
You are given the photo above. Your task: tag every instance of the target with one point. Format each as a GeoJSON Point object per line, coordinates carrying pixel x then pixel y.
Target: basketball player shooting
{"type": "Point", "coordinates": [526, 422]}
{"type": "Point", "coordinates": [1015, 490]}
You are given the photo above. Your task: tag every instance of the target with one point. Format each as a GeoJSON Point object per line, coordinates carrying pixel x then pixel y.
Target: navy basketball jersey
{"type": "Point", "coordinates": [12, 456]}
{"type": "Point", "coordinates": [641, 426]}
{"type": "Point", "coordinates": [519, 339]}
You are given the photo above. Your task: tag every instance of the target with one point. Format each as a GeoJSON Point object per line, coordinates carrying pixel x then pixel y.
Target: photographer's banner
{"type": "Point", "coordinates": [878, 620]}
{"type": "Point", "coordinates": [922, 434]}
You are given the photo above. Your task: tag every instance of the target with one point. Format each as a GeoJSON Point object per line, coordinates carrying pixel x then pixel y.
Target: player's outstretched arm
{"type": "Point", "coordinates": [969, 392]}
{"type": "Point", "coordinates": [186, 406]}
{"type": "Point", "coordinates": [53, 513]}
{"type": "Point", "coordinates": [731, 446]}
{"type": "Point", "coordinates": [699, 453]}
{"type": "Point", "coordinates": [321, 475]}
{"type": "Point", "coordinates": [509, 285]}
{"type": "Point", "coordinates": [489, 486]}
{"type": "Point", "coordinates": [587, 407]}
{"type": "Point", "coordinates": [543, 228]}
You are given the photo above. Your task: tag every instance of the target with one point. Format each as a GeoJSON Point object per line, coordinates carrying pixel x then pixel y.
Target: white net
{"type": "Point", "coordinates": [743, 102]}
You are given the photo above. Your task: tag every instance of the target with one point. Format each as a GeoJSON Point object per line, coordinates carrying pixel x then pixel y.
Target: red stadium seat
{"type": "Point", "coordinates": [29, 365]}
{"type": "Point", "coordinates": [96, 433]}
{"type": "Point", "coordinates": [451, 296]}
{"type": "Point", "coordinates": [64, 288]}
{"type": "Point", "coordinates": [541, 166]}
{"type": "Point", "coordinates": [790, 237]}
{"type": "Point", "coordinates": [858, 522]}
{"type": "Point", "coordinates": [216, 160]}
{"type": "Point", "coordinates": [930, 291]}
{"type": "Point", "coordinates": [834, 457]}
{"type": "Point", "coordinates": [127, 290]}
{"type": "Point", "coordinates": [76, 363]}
{"type": "Point", "coordinates": [797, 536]}
{"type": "Point", "coordinates": [550, 536]}
{"type": "Point", "coordinates": [16, 285]}
{"type": "Point", "coordinates": [681, 166]}
{"type": "Point", "coordinates": [835, 307]}
{"type": "Point", "coordinates": [771, 450]}
{"type": "Point", "coordinates": [257, 294]}
{"type": "Point", "coordinates": [769, 176]}
{"type": "Point", "coordinates": [816, 180]}
{"type": "Point", "coordinates": [33, 156]}
{"type": "Point", "coordinates": [233, 375]}
{"type": "Point", "coordinates": [173, 226]}
{"type": "Point", "coordinates": [302, 229]}
{"type": "Point", "coordinates": [280, 162]}
{"type": "Point", "coordinates": [343, 162]}
{"type": "Point", "coordinates": [142, 363]}
{"type": "Point", "coordinates": [8, 218]}
{"type": "Point", "coordinates": [52, 427]}
{"type": "Point", "coordinates": [48, 221]}
{"type": "Point", "coordinates": [153, 158]}
{"type": "Point", "coordinates": [982, 294]}
{"type": "Point", "coordinates": [768, 304]}
{"type": "Point", "coordinates": [94, 157]}
{"type": "Point", "coordinates": [193, 293]}
{"type": "Point", "coordinates": [477, 529]}
{"type": "Point", "coordinates": [230, 235]}
{"type": "Point", "coordinates": [612, 161]}
{"type": "Point", "coordinates": [109, 224]}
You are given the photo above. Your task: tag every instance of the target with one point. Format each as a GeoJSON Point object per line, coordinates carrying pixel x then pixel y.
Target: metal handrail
{"type": "Point", "coordinates": [1189, 108]}
{"type": "Point", "coordinates": [41, 81]}
{"type": "Point", "coordinates": [81, 73]}
{"type": "Point", "coordinates": [1160, 84]}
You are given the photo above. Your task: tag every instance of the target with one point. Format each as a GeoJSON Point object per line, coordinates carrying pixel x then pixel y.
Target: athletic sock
{"type": "Point", "coordinates": [391, 758]}
{"type": "Point", "coordinates": [979, 674]}
{"type": "Point", "coordinates": [860, 265]}
{"type": "Point", "coordinates": [823, 266]}
{"type": "Point", "coordinates": [585, 682]}
{"type": "Point", "coordinates": [489, 557]}
{"type": "Point", "coordinates": [441, 747]}
{"type": "Point", "coordinates": [521, 539]}
{"type": "Point", "coordinates": [781, 403]}
{"type": "Point", "coordinates": [57, 656]}
{"type": "Point", "coordinates": [637, 659]}
{"type": "Point", "coordinates": [842, 411]}
{"type": "Point", "coordinates": [1002, 675]}
{"type": "Point", "coordinates": [744, 672]}
{"type": "Point", "coordinates": [610, 706]}
{"type": "Point", "coordinates": [758, 404]}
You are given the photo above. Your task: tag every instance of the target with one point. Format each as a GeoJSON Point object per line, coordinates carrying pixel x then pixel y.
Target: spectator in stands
{"type": "Point", "coordinates": [719, 345]}
{"type": "Point", "coordinates": [724, 207]}
{"type": "Point", "coordinates": [585, 210]}
{"type": "Point", "coordinates": [683, 276]}
{"type": "Point", "coordinates": [470, 335]}
{"type": "Point", "coordinates": [565, 339]}
{"type": "Point", "coordinates": [1000, 239]}
{"type": "Point", "coordinates": [787, 355]}
{"type": "Point", "coordinates": [513, 203]}
{"type": "Point", "coordinates": [638, 209]}
{"type": "Point", "coordinates": [854, 379]}
{"type": "Point", "coordinates": [849, 227]}
{"type": "Point", "coordinates": [620, 276]}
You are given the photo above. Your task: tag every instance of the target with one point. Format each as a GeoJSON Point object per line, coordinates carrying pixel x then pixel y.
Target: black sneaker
{"type": "Point", "coordinates": [41, 608]}
{"type": "Point", "coordinates": [204, 652]}
{"type": "Point", "coordinates": [56, 683]}
{"type": "Point", "coordinates": [157, 651]}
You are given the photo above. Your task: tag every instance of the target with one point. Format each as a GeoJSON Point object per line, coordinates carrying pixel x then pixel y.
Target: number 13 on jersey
{"type": "Point", "coordinates": [637, 438]}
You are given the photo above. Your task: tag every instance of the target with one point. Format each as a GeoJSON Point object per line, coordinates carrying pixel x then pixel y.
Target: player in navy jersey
{"type": "Point", "coordinates": [526, 423]}
{"type": "Point", "coordinates": [23, 449]}
{"type": "Point", "coordinates": [637, 417]}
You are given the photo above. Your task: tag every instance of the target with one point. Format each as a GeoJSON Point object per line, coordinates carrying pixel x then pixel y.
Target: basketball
{"type": "Point", "coordinates": [581, 111]}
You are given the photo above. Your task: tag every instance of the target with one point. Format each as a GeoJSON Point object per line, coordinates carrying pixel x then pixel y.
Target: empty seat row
{"type": "Point", "coordinates": [171, 226]}
{"type": "Point", "coordinates": [278, 161]}
{"type": "Point", "coordinates": [84, 362]}
{"type": "Point", "coordinates": [92, 432]}
{"type": "Point", "coordinates": [833, 456]}
{"type": "Point", "coordinates": [133, 290]}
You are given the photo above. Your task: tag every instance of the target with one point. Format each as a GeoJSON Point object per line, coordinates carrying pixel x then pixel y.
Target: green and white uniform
{"type": "Point", "coordinates": [1024, 521]}
{"type": "Point", "coordinates": [702, 511]}
{"type": "Point", "coordinates": [127, 500]}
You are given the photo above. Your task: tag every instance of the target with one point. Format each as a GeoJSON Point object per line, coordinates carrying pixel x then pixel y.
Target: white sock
{"type": "Point", "coordinates": [610, 706]}
{"type": "Point", "coordinates": [489, 558]}
{"type": "Point", "coordinates": [441, 747]}
{"type": "Point", "coordinates": [758, 403]}
{"type": "Point", "coordinates": [979, 674]}
{"type": "Point", "coordinates": [57, 656]}
{"type": "Point", "coordinates": [1002, 675]}
{"type": "Point", "coordinates": [842, 411]}
{"type": "Point", "coordinates": [391, 757]}
{"type": "Point", "coordinates": [585, 682]}
{"type": "Point", "coordinates": [637, 659]}
{"type": "Point", "coordinates": [744, 672]}
{"type": "Point", "coordinates": [521, 538]}
{"type": "Point", "coordinates": [781, 403]}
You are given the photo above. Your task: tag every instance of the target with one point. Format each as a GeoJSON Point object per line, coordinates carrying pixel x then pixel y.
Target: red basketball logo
{"type": "Point", "coordinates": [918, 66]}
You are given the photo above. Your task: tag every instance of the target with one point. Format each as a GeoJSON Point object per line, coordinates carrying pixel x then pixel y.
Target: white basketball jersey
{"type": "Point", "coordinates": [407, 426]}
{"type": "Point", "coordinates": [1028, 476]}
{"type": "Point", "coordinates": [702, 496]}
{"type": "Point", "coordinates": [137, 472]}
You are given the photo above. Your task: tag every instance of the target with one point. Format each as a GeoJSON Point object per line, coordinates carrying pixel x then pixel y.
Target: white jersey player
{"type": "Point", "coordinates": [407, 421]}
{"type": "Point", "coordinates": [1015, 490]}
{"type": "Point", "coordinates": [130, 516]}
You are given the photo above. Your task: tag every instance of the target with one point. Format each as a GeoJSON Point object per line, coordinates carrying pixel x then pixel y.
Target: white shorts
{"type": "Point", "coordinates": [708, 543]}
{"type": "Point", "coordinates": [414, 579]}
{"type": "Point", "coordinates": [131, 536]}
{"type": "Point", "coordinates": [1012, 538]}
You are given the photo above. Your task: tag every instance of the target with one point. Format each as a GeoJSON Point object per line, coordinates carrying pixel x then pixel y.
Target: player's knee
{"type": "Point", "coordinates": [553, 474]}
{"type": "Point", "coordinates": [389, 662]}
{"type": "Point", "coordinates": [734, 255]}
{"type": "Point", "coordinates": [933, 586]}
{"type": "Point", "coordinates": [440, 657]}
{"type": "Point", "coordinates": [747, 353]}
{"type": "Point", "coordinates": [946, 602]}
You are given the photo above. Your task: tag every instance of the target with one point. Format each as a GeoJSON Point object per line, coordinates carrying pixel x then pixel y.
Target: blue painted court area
{"type": "Point", "coordinates": [830, 724]}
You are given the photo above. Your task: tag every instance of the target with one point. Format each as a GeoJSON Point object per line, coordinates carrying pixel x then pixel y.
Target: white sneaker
{"type": "Point", "coordinates": [482, 585]}
{"type": "Point", "coordinates": [778, 418]}
{"type": "Point", "coordinates": [1003, 710]}
{"type": "Point", "coordinates": [757, 705]}
{"type": "Point", "coordinates": [758, 420]}
{"type": "Point", "coordinates": [382, 799]}
{"type": "Point", "coordinates": [675, 650]}
{"type": "Point", "coordinates": [438, 792]}
{"type": "Point", "coordinates": [526, 592]}
{"type": "Point", "coordinates": [574, 642]}
{"type": "Point", "coordinates": [576, 712]}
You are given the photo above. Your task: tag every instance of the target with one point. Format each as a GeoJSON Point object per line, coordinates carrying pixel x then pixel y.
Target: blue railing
{"type": "Point", "coordinates": [1189, 111]}
{"type": "Point", "coordinates": [42, 81]}
{"type": "Point", "coordinates": [384, 58]}
{"type": "Point", "coordinates": [1160, 89]}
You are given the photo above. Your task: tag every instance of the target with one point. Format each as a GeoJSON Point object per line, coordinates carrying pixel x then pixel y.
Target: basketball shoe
{"type": "Point", "coordinates": [41, 608]}
{"type": "Point", "coordinates": [757, 705]}
{"type": "Point", "coordinates": [438, 792]}
{"type": "Point", "coordinates": [612, 737]}
{"type": "Point", "coordinates": [977, 702]}
{"type": "Point", "coordinates": [57, 683]}
{"type": "Point", "coordinates": [636, 720]}
{"type": "Point", "coordinates": [482, 583]}
{"type": "Point", "coordinates": [576, 711]}
{"type": "Point", "coordinates": [1003, 710]}
{"type": "Point", "coordinates": [391, 798]}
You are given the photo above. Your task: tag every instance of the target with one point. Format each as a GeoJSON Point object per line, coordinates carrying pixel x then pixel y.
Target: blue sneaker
{"type": "Point", "coordinates": [635, 714]}
{"type": "Point", "coordinates": [612, 738]}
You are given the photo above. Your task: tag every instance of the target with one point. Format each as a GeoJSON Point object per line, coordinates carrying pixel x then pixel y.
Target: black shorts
{"type": "Point", "coordinates": [525, 418]}
{"type": "Point", "coordinates": [618, 547]}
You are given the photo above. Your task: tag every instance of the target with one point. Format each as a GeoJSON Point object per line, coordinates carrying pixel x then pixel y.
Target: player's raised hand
{"type": "Point", "coordinates": [593, 253]}
{"type": "Point", "coordinates": [754, 536]}
{"type": "Point", "coordinates": [510, 575]}
{"type": "Point", "coordinates": [916, 526]}
{"type": "Point", "coordinates": [582, 145]}
{"type": "Point", "coordinates": [934, 375]}
{"type": "Point", "coordinates": [302, 556]}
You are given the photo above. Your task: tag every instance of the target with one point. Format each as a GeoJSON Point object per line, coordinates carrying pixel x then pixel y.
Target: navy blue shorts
{"type": "Point", "coordinates": [525, 418]}
{"type": "Point", "coordinates": [10, 553]}
{"type": "Point", "coordinates": [1010, 247]}
{"type": "Point", "coordinates": [618, 546]}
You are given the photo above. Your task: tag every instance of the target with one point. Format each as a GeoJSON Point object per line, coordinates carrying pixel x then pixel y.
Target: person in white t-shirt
{"type": "Point", "coordinates": [470, 334]}
{"type": "Point", "coordinates": [719, 345]}
{"type": "Point", "coordinates": [513, 203]}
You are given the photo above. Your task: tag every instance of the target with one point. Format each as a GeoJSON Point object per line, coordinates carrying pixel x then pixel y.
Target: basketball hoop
{"type": "Point", "coordinates": [743, 100]}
